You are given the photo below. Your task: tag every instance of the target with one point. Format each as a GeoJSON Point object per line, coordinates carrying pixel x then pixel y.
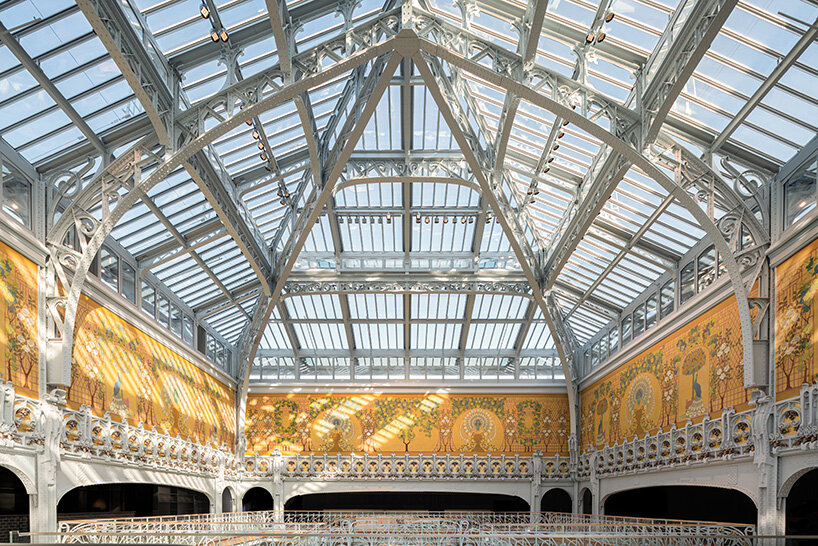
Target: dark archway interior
{"type": "Point", "coordinates": [434, 502]}
{"type": "Point", "coordinates": [802, 505]}
{"type": "Point", "coordinates": [556, 500]}
{"type": "Point", "coordinates": [227, 500]}
{"type": "Point", "coordinates": [130, 499]}
{"type": "Point", "coordinates": [257, 498]}
{"type": "Point", "coordinates": [587, 501]}
{"type": "Point", "coordinates": [683, 502]}
{"type": "Point", "coordinates": [13, 504]}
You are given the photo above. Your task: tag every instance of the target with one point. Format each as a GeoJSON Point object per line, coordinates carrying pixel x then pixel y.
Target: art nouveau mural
{"type": "Point", "coordinates": [795, 287]}
{"type": "Point", "coordinates": [440, 423]}
{"type": "Point", "coordinates": [18, 316]}
{"type": "Point", "coordinates": [121, 370]}
{"type": "Point", "coordinates": [692, 373]}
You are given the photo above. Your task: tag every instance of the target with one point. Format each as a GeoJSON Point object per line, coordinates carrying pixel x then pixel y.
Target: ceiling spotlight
{"type": "Point", "coordinates": [463, 220]}
{"type": "Point", "coordinates": [340, 219]}
{"type": "Point", "coordinates": [261, 146]}
{"type": "Point", "coordinates": [417, 219]}
{"type": "Point", "coordinates": [388, 217]}
{"type": "Point", "coordinates": [530, 191]}
{"type": "Point", "coordinates": [280, 193]}
{"type": "Point", "coordinates": [589, 38]}
{"type": "Point", "coordinates": [445, 219]}
{"type": "Point", "coordinates": [283, 201]}
{"type": "Point", "coordinates": [565, 123]}
{"type": "Point", "coordinates": [249, 122]}
{"type": "Point", "coordinates": [471, 219]}
{"type": "Point", "coordinates": [204, 11]}
{"type": "Point", "coordinates": [256, 136]}
{"type": "Point", "coordinates": [357, 220]}
{"type": "Point", "coordinates": [437, 219]}
{"type": "Point", "coordinates": [214, 36]}
{"type": "Point", "coordinates": [609, 17]}
{"type": "Point", "coordinates": [545, 170]}
{"type": "Point", "coordinates": [262, 156]}
{"type": "Point", "coordinates": [561, 135]}
{"type": "Point", "coordinates": [600, 38]}
{"type": "Point", "coordinates": [223, 35]}
{"type": "Point", "coordinates": [556, 147]}
{"type": "Point", "coordinates": [550, 159]}
{"type": "Point", "coordinates": [268, 168]}
{"type": "Point", "coordinates": [488, 219]}
{"type": "Point", "coordinates": [426, 219]}
{"type": "Point", "coordinates": [536, 191]}
{"type": "Point", "coordinates": [380, 219]}
{"type": "Point", "coordinates": [363, 219]}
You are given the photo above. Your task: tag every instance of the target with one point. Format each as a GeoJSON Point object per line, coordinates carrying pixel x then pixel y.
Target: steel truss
{"type": "Point", "coordinates": [373, 51]}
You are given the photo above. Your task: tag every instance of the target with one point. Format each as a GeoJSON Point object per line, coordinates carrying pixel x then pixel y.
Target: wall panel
{"type": "Point", "coordinates": [121, 370]}
{"type": "Point", "coordinates": [19, 352]}
{"type": "Point", "coordinates": [427, 423]}
{"type": "Point", "coordinates": [692, 373]}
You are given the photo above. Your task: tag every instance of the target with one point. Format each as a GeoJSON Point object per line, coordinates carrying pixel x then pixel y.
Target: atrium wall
{"type": "Point", "coordinates": [141, 410]}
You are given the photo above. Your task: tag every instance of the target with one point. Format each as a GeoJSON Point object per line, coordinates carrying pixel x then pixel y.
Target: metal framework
{"type": "Point", "coordinates": [326, 150]}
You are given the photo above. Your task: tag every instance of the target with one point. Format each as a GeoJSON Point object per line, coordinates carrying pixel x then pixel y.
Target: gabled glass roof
{"type": "Point", "coordinates": [407, 207]}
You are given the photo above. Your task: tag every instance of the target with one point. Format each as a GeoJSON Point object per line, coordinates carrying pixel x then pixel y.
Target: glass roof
{"type": "Point", "coordinates": [407, 207]}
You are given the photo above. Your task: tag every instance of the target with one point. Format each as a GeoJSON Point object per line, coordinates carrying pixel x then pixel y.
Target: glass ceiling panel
{"type": "Point", "coordinates": [364, 227]}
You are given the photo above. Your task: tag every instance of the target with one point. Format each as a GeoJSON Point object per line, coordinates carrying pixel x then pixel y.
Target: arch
{"type": "Point", "coordinates": [435, 501]}
{"type": "Point", "coordinates": [586, 501]}
{"type": "Point", "coordinates": [227, 500]}
{"type": "Point", "coordinates": [133, 499]}
{"type": "Point", "coordinates": [802, 498]}
{"type": "Point", "coordinates": [14, 502]}
{"type": "Point", "coordinates": [691, 502]}
{"type": "Point", "coordinates": [256, 499]}
{"type": "Point", "coordinates": [556, 499]}
{"type": "Point", "coordinates": [27, 481]}
{"type": "Point", "coordinates": [408, 44]}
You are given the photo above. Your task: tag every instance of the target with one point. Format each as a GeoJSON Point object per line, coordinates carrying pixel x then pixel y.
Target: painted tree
{"type": "Point", "coordinates": [530, 428]}
{"type": "Point", "coordinates": [722, 369]}
{"type": "Point", "coordinates": [792, 353]}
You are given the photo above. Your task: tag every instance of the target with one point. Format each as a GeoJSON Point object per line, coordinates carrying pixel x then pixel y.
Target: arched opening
{"type": "Point", "coordinates": [256, 499]}
{"type": "Point", "coordinates": [406, 501]}
{"type": "Point", "coordinates": [556, 500]}
{"type": "Point", "coordinates": [802, 501]}
{"type": "Point", "coordinates": [13, 504]}
{"type": "Point", "coordinates": [130, 500]}
{"type": "Point", "coordinates": [691, 502]}
{"type": "Point", "coordinates": [587, 501]}
{"type": "Point", "coordinates": [227, 500]}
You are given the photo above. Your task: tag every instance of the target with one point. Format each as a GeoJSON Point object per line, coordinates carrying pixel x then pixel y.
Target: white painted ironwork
{"type": "Point", "coordinates": [366, 528]}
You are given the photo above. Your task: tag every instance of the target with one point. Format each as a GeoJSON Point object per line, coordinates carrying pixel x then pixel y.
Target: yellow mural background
{"type": "Point", "coordinates": [19, 351]}
{"type": "Point", "coordinates": [119, 369]}
{"type": "Point", "coordinates": [693, 372]}
{"type": "Point", "coordinates": [441, 423]}
{"type": "Point", "coordinates": [796, 286]}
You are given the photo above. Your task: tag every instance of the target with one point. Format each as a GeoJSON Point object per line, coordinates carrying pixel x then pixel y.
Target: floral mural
{"type": "Point", "coordinates": [796, 286]}
{"type": "Point", "coordinates": [694, 372]}
{"type": "Point", "coordinates": [407, 423]}
{"type": "Point", "coordinates": [18, 316]}
{"type": "Point", "coordinates": [120, 370]}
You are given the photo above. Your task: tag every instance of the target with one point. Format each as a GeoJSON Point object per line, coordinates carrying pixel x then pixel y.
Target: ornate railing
{"type": "Point", "coordinates": [729, 436]}
{"type": "Point", "coordinates": [408, 466]}
{"type": "Point", "coordinates": [796, 421]}
{"type": "Point", "coordinates": [84, 432]}
{"type": "Point", "coordinates": [354, 528]}
{"type": "Point", "coordinates": [24, 423]}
